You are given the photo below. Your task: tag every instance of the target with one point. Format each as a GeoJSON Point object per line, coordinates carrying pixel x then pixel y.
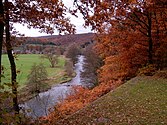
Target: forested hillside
{"type": "Point", "coordinates": [68, 39]}
{"type": "Point", "coordinates": [37, 45]}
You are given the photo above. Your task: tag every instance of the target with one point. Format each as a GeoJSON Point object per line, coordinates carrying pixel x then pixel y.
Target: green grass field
{"type": "Point", "coordinates": [24, 63]}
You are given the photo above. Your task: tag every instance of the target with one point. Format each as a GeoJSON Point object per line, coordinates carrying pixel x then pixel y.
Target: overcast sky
{"type": "Point", "coordinates": [78, 22]}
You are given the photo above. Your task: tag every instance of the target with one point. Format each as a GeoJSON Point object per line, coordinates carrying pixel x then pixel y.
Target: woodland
{"type": "Point", "coordinates": [130, 40]}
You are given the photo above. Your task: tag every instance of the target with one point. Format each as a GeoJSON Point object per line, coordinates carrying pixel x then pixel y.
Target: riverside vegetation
{"type": "Point", "coordinates": [24, 63]}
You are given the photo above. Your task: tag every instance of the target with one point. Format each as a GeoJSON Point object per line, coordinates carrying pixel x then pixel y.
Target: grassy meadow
{"type": "Point", "coordinates": [24, 63]}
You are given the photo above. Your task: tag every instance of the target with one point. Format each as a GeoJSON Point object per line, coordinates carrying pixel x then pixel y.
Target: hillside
{"type": "Point", "coordinates": [140, 101]}
{"type": "Point", "coordinates": [68, 39]}
{"type": "Point", "coordinates": [38, 45]}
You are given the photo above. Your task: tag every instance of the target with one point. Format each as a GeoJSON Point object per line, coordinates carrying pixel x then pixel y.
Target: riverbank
{"type": "Point", "coordinates": [141, 100]}
{"type": "Point", "coordinates": [24, 93]}
{"type": "Point", "coordinates": [24, 64]}
{"type": "Point", "coordinates": [42, 104]}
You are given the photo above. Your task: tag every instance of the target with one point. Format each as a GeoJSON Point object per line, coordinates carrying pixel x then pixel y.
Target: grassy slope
{"type": "Point", "coordinates": [140, 101]}
{"type": "Point", "coordinates": [24, 64]}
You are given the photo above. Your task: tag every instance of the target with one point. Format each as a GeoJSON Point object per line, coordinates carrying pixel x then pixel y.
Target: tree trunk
{"type": "Point", "coordinates": [150, 42]}
{"type": "Point", "coordinates": [11, 60]}
{"type": "Point", "coordinates": [1, 34]}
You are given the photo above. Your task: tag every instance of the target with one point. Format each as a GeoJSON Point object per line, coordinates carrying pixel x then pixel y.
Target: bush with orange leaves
{"type": "Point", "coordinates": [79, 99]}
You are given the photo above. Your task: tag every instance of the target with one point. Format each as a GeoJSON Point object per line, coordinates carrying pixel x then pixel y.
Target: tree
{"type": "Point", "coordinates": [35, 78]}
{"type": "Point", "coordinates": [72, 52]}
{"type": "Point", "coordinates": [144, 15]}
{"type": "Point", "coordinates": [52, 55]}
{"type": "Point", "coordinates": [1, 31]}
{"type": "Point", "coordinates": [92, 63]}
{"type": "Point", "coordinates": [53, 59]}
{"type": "Point", "coordinates": [69, 67]}
{"type": "Point", "coordinates": [45, 15]}
{"type": "Point", "coordinates": [149, 21]}
{"type": "Point", "coordinates": [130, 34]}
{"type": "Point", "coordinates": [11, 58]}
{"type": "Point", "coordinates": [50, 15]}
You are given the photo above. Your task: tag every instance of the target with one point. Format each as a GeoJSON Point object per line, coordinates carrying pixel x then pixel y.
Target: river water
{"type": "Point", "coordinates": [39, 105]}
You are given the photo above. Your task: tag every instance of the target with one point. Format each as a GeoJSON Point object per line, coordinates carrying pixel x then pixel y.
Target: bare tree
{"type": "Point", "coordinates": [53, 59]}
{"type": "Point", "coordinates": [72, 52]}
{"type": "Point", "coordinates": [36, 14]}
{"type": "Point", "coordinates": [69, 67]}
{"type": "Point", "coordinates": [52, 55]}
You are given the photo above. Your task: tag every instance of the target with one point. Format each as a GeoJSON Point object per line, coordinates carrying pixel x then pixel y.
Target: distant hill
{"type": "Point", "coordinates": [66, 39]}
{"type": "Point", "coordinates": [40, 44]}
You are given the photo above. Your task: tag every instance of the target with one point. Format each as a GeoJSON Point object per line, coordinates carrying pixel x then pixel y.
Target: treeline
{"type": "Point", "coordinates": [40, 43]}
{"type": "Point", "coordinates": [136, 43]}
{"type": "Point", "coordinates": [91, 65]}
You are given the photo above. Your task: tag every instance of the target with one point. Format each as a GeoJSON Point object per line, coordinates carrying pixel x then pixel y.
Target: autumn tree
{"type": "Point", "coordinates": [45, 15]}
{"type": "Point", "coordinates": [130, 34]}
{"type": "Point", "coordinates": [144, 15]}
{"type": "Point", "coordinates": [149, 21]}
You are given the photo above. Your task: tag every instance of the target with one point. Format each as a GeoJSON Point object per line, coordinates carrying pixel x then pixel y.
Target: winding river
{"type": "Point", "coordinates": [39, 105]}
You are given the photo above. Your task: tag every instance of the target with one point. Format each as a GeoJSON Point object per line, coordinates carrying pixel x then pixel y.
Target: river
{"type": "Point", "coordinates": [39, 105]}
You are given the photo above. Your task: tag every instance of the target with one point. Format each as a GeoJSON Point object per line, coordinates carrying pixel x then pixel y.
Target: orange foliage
{"type": "Point", "coordinates": [131, 43]}
{"type": "Point", "coordinates": [78, 100]}
{"type": "Point", "coordinates": [122, 57]}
